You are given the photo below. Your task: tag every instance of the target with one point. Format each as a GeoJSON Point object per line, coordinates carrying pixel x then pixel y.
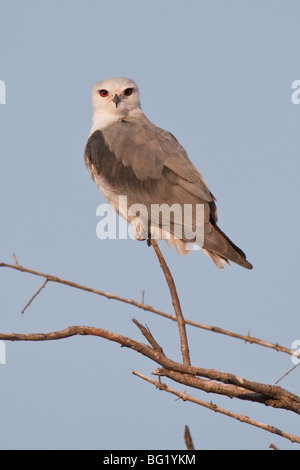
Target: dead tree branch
{"type": "Point", "coordinates": [213, 407]}
{"type": "Point", "coordinates": [35, 295]}
{"type": "Point", "coordinates": [231, 385]}
{"type": "Point", "coordinates": [176, 303]}
{"type": "Point", "coordinates": [188, 439]}
{"type": "Point", "coordinates": [246, 338]}
{"type": "Point", "coordinates": [206, 380]}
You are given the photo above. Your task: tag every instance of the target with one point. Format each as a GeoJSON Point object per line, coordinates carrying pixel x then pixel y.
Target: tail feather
{"type": "Point", "coordinates": [217, 259]}
{"type": "Point", "coordinates": [223, 249]}
{"type": "Point", "coordinates": [217, 245]}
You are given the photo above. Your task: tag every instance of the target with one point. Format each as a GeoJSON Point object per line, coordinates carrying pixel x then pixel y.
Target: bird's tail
{"type": "Point", "coordinates": [221, 249]}
{"type": "Point", "coordinates": [216, 245]}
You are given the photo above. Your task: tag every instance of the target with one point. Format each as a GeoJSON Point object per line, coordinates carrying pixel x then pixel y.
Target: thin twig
{"type": "Point", "coordinates": [213, 407]}
{"type": "Point", "coordinates": [188, 439]}
{"type": "Point", "coordinates": [35, 295]}
{"type": "Point", "coordinates": [284, 375]}
{"type": "Point", "coordinates": [15, 259]}
{"type": "Point", "coordinates": [148, 335]}
{"type": "Point", "coordinates": [272, 446]}
{"type": "Point", "coordinates": [176, 303]}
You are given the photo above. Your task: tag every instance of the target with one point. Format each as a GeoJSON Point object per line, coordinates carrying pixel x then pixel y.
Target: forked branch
{"type": "Point", "coordinates": [176, 303]}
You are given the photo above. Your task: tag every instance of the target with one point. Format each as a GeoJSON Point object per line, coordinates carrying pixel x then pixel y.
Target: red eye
{"type": "Point", "coordinates": [103, 93]}
{"type": "Point", "coordinates": [128, 91]}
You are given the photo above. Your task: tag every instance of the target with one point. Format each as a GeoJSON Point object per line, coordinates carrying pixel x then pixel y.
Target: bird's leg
{"type": "Point", "coordinates": [149, 239]}
{"type": "Point", "coordinates": [138, 230]}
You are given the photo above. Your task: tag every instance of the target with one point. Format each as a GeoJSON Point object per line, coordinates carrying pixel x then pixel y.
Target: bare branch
{"type": "Point", "coordinates": [188, 439]}
{"type": "Point", "coordinates": [175, 302]}
{"type": "Point", "coordinates": [75, 285]}
{"type": "Point", "coordinates": [246, 338]}
{"type": "Point", "coordinates": [79, 330]}
{"type": "Point", "coordinates": [207, 380]}
{"type": "Point", "coordinates": [35, 295]}
{"type": "Point", "coordinates": [272, 446]}
{"type": "Point", "coordinates": [148, 335]}
{"type": "Point", "coordinates": [211, 386]}
{"type": "Point", "coordinates": [274, 396]}
{"type": "Point", "coordinates": [15, 259]}
{"type": "Point", "coordinates": [286, 373]}
{"type": "Point", "coordinates": [213, 407]}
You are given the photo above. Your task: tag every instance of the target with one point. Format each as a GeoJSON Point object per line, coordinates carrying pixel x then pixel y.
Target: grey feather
{"type": "Point", "coordinates": [149, 166]}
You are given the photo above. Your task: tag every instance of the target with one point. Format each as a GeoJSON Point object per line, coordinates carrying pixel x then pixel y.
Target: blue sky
{"type": "Point", "coordinates": [218, 75]}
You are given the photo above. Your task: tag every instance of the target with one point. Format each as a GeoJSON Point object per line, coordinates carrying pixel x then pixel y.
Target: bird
{"type": "Point", "coordinates": [132, 159]}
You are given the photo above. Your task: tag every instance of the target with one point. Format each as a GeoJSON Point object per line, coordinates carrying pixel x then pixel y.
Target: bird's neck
{"type": "Point", "coordinates": [102, 120]}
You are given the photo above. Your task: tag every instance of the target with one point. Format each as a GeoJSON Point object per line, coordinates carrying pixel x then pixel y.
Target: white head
{"type": "Point", "coordinates": [113, 99]}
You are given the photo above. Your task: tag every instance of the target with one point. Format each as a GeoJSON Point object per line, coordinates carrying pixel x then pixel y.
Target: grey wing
{"type": "Point", "coordinates": [145, 155]}
{"type": "Point", "coordinates": [149, 166]}
{"type": "Point", "coordinates": [147, 148]}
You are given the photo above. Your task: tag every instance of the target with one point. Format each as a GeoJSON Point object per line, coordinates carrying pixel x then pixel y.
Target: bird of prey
{"type": "Point", "coordinates": [128, 156]}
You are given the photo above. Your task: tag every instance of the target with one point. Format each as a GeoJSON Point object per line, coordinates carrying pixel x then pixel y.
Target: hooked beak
{"type": "Point", "coordinates": [116, 99]}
